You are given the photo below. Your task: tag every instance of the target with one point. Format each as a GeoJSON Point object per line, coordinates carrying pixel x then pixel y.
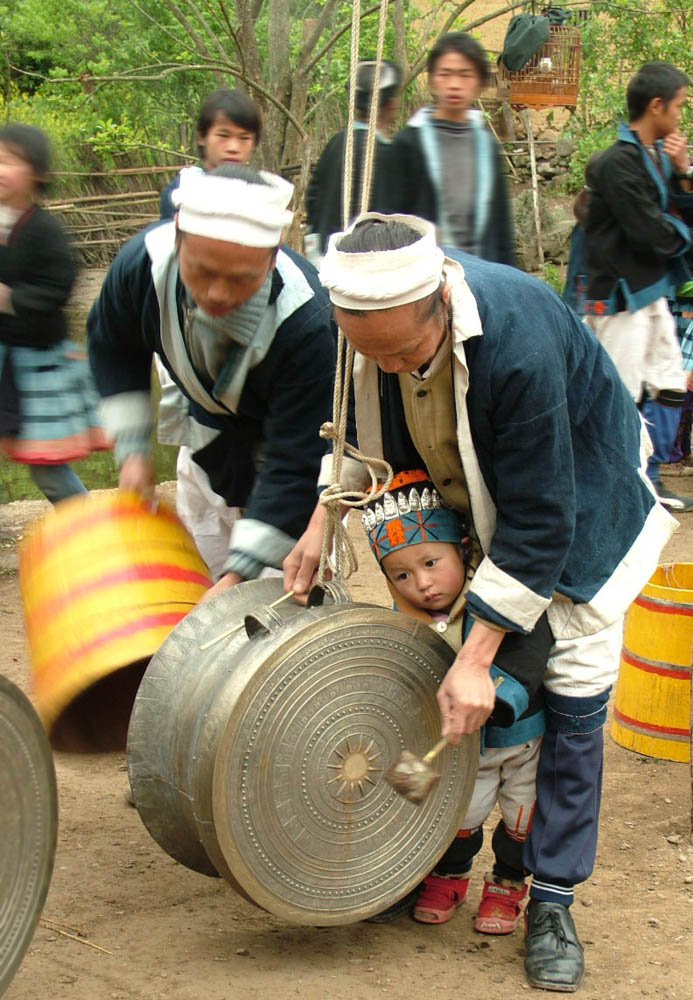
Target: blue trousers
{"type": "Point", "coordinates": [562, 843]}
{"type": "Point", "coordinates": [662, 423]}
{"type": "Point", "coordinates": [56, 482]}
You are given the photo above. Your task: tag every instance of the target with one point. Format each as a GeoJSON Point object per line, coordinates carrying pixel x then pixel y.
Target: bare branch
{"type": "Point", "coordinates": [187, 26]}
{"type": "Point", "coordinates": [315, 106]}
{"type": "Point", "coordinates": [335, 38]}
{"type": "Point", "coordinates": [313, 38]}
{"type": "Point", "coordinates": [221, 52]}
{"type": "Point", "coordinates": [232, 32]}
{"type": "Point", "coordinates": [454, 15]}
{"type": "Point", "coordinates": [166, 70]}
{"type": "Point", "coordinates": [153, 20]}
{"type": "Point", "coordinates": [421, 61]}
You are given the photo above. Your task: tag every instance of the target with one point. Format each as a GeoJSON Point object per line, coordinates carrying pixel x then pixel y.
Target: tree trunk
{"type": "Point", "coordinates": [250, 58]}
{"type": "Point", "coordinates": [400, 48]}
{"type": "Point", "coordinates": [280, 83]}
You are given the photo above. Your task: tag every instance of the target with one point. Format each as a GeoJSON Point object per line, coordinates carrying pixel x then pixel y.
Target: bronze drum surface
{"type": "Point", "coordinates": [177, 716]}
{"type": "Point", "coordinates": [278, 764]}
{"type": "Point", "coordinates": [28, 825]}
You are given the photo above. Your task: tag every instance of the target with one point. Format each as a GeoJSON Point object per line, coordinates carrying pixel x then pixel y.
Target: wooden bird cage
{"type": "Point", "coordinates": [550, 78]}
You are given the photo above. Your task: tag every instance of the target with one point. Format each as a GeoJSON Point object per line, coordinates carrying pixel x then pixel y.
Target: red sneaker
{"type": "Point", "coordinates": [439, 898]}
{"type": "Point", "coordinates": [499, 909]}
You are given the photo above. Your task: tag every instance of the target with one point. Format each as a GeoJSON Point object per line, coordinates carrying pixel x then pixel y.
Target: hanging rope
{"type": "Point", "coordinates": [351, 114]}
{"type": "Point", "coordinates": [369, 158]}
{"type": "Point", "coordinates": [335, 498]}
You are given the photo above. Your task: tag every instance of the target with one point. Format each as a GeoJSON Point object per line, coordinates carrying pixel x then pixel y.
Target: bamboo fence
{"type": "Point", "coordinates": [103, 209]}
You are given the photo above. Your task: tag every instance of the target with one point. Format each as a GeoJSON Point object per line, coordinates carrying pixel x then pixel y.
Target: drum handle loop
{"type": "Point", "coordinates": [264, 620]}
{"type": "Point", "coordinates": [329, 592]}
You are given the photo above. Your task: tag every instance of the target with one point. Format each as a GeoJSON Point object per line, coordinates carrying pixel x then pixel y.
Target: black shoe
{"type": "Point", "coordinates": [671, 500]}
{"type": "Point", "coordinates": [555, 959]}
{"type": "Point", "coordinates": [402, 906]}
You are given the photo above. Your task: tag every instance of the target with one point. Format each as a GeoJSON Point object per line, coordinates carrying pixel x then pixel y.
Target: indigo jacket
{"type": "Point", "coordinates": [264, 455]}
{"type": "Point", "coordinates": [636, 231]}
{"type": "Point", "coordinates": [553, 451]}
{"type": "Point", "coordinates": [417, 184]}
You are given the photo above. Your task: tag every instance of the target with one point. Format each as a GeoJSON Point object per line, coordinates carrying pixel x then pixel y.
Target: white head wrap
{"type": "Point", "coordinates": [382, 279]}
{"type": "Point", "coordinates": [233, 210]}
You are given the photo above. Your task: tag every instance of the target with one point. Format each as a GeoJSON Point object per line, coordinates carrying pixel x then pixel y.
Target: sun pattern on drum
{"type": "Point", "coordinates": [355, 768]}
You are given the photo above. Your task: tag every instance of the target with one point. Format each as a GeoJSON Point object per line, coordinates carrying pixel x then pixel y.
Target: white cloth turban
{"type": "Point", "coordinates": [382, 279]}
{"type": "Point", "coordinates": [233, 210]}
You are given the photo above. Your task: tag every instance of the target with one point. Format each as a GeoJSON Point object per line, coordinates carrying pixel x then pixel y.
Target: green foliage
{"type": "Point", "coordinates": [93, 125]}
{"type": "Point", "coordinates": [617, 39]}
{"type": "Point", "coordinates": [553, 275]}
{"type": "Point", "coordinates": [96, 121]}
{"type": "Point", "coordinates": [110, 80]}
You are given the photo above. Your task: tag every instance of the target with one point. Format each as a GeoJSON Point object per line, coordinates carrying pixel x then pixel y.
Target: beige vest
{"type": "Point", "coordinates": [429, 409]}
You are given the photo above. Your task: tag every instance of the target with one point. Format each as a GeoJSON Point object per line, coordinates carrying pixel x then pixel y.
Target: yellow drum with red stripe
{"type": "Point", "coordinates": [104, 579]}
{"type": "Point", "coordinates": [652, 703]}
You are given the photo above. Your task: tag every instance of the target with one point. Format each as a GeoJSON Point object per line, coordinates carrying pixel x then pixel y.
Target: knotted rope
{"type": "Point", "coordinates": [335, 497]}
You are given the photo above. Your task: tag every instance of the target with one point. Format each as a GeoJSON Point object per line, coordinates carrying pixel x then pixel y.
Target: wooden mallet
{"type": "Point", "coordinates": [412, 776]}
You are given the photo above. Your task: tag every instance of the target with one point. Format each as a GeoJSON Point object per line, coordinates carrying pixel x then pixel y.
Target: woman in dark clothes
{"type": "Point", "coordinates": [48, 416]}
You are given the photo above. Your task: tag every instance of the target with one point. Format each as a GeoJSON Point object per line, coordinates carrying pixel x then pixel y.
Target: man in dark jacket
{"type": "Point", "coordinates": [244, 329]}
{"type": "Point", "coordinates": [324, 205]}
{"type": "Point", "coordinates": [447, 167]}
{"type": "Point", "coordinates": [637, 236]}
{"type": "Point", "coordinates": [480, 374]}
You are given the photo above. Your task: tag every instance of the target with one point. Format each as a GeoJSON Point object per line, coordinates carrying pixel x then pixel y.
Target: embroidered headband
{"type": "Point", "coordinates": [383, 279]}
{"type": "Point", "coordinates": [233, 210]}
{"type": "Point", "coordinates": [410, 512]}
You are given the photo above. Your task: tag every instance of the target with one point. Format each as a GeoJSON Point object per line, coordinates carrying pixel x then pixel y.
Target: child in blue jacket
{"type": "Point", "coordinates": [423, 550]}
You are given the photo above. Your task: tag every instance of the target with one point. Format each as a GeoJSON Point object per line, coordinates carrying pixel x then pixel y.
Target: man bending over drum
{"type": "Point", "coordinates": [480, 374]}
{"type": "Point", "coordinates": [244, 328]}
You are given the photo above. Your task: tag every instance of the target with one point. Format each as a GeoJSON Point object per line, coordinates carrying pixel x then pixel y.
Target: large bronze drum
{"type": "Point", "coordinates": [259, 741]}
{"type": "Point", "coordinates": [28, 825]}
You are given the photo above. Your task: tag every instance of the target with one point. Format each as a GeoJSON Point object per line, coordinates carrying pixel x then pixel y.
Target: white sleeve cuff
{"type": "Point", "coordinates": [507, 596]}
{"type": "Point", "coordinates": [354, 474]}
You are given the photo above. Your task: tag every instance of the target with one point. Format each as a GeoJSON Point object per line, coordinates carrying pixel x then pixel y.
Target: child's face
{"type": "Point", "coordinates": [226, 142]}
{"type": "Point", "coordinates": [430, 575]}
{"type": "Point", "coordinates": [18, 180]}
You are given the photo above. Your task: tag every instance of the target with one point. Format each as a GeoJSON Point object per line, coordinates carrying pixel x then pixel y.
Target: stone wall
{"type": "Point", "coordinates": [553, 155]}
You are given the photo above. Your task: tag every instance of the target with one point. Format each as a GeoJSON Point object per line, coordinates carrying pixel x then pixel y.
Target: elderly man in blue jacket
{"type": "Point", "coordinates": [482, 375]}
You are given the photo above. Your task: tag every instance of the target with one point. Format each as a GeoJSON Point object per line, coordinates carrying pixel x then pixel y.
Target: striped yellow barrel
{"type": "Point", "coordinates": [652, 703]}
{"type": "Point", "coordinates": [104, 579]}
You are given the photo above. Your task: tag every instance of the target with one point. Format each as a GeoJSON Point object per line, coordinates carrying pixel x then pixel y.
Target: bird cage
{"type": "Point", "coordinates": [550, 78]}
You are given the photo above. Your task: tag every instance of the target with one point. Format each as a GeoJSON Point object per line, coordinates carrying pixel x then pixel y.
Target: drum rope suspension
{"type": "Point", "coordinates": [335, 497]}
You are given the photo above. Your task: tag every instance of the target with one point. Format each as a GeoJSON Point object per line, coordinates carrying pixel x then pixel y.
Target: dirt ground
{"type": "Point", "coordinates": [176, 934]}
